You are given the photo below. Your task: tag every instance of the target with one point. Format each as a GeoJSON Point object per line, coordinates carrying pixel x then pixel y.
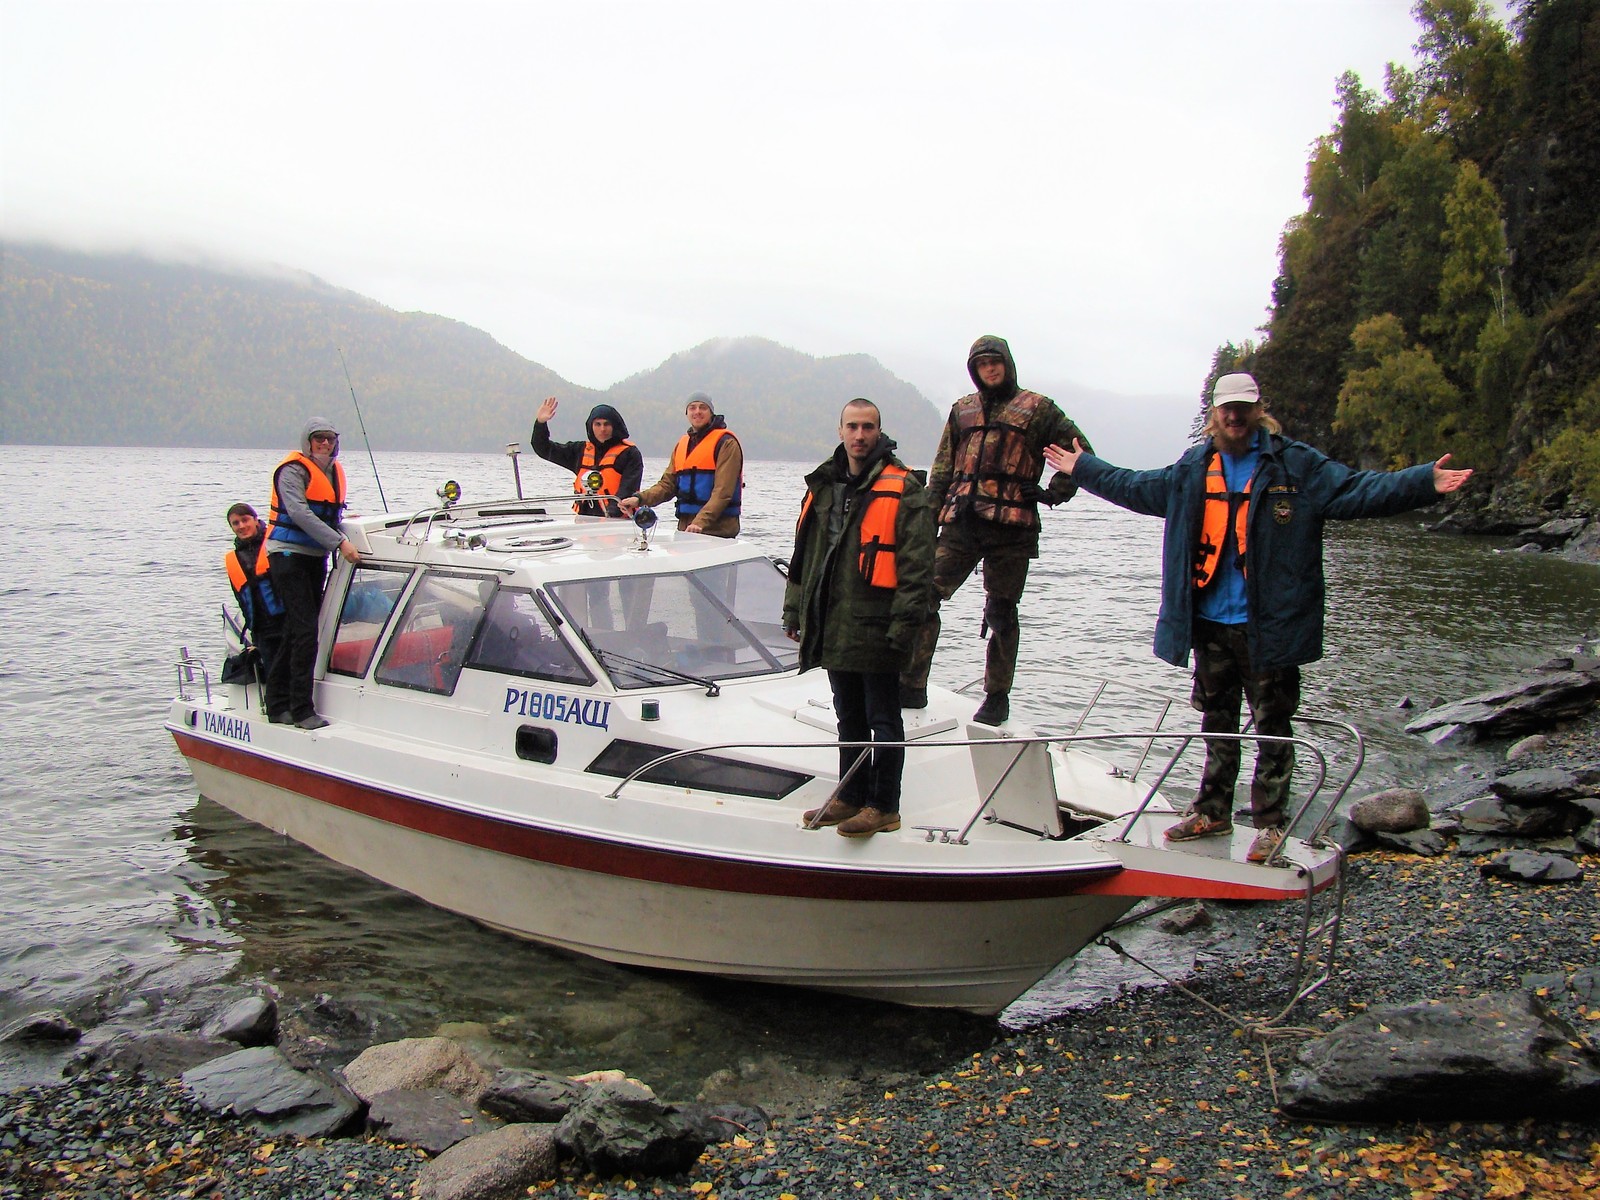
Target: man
{"type": "Point", "coordinates": [607, 451]}
{"type": "Point", "coordinates": [985, 488]}
{"type": "Point", "coordinates": [308, 497]}
{"type": "Point", "coordinates": [860, 581]}
{"type": "Point", "coordinates": [705, 475]}
{"type": "Point", "coordinates": [263, 613]}
{"type": "Point", "coordinates": [1242, 583]}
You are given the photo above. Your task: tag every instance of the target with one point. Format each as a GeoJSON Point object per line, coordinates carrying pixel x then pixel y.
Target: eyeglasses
{"type": "Point", "coordinates": [324, 437]}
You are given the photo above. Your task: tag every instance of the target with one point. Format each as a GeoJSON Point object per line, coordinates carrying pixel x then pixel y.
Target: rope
{"type": "Point", "coordinates": [1263, 1031]}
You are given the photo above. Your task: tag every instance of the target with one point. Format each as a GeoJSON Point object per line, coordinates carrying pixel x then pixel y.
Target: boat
{"type": "Point", "coordinates": [593, 733]}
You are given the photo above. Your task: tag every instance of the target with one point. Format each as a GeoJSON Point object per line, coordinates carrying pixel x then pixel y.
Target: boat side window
{"type": "Point", "coordinates": [368, 604]}
{"type": "Point", "coordinates": [437, 626]}
{"type": "Point", "coordinates": [519, 639]}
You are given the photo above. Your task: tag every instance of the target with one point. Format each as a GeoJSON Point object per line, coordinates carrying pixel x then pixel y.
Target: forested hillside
{"type": "Point", "coordinates": [123, 350]}
{"type": "Point", "coordinates": [1441, 291]}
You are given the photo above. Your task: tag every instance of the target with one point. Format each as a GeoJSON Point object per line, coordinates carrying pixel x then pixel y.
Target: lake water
{"type": "Point", "coordinates": [116, 881]}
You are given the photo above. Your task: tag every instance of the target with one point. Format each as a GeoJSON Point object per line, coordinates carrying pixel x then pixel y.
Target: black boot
{"type": "Point", "coordinates": [995, 709]}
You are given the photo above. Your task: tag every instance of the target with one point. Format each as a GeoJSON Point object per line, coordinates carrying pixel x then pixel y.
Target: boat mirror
{"type": "Point", "coordinates": [450, 492]}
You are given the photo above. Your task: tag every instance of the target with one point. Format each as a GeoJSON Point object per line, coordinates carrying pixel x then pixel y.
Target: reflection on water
{"type": "Point", "coordinates": [114, 880]}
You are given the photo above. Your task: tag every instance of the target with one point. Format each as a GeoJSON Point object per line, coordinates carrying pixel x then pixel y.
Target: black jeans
{"type": "Point", "coordinates": [868, 707]}
{"type": "Point", "coordinates": [298, 579]}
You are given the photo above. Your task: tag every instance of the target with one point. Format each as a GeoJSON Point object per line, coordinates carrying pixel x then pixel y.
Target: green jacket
{"type": "Point", "coordinates": [845, 624]}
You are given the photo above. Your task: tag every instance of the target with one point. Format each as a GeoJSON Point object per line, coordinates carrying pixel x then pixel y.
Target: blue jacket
{"type": "Point", "coordinates": [1296, 488]}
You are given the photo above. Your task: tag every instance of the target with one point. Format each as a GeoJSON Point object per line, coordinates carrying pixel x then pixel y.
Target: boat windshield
{"type": "Point", "coordinates": [721, 622]}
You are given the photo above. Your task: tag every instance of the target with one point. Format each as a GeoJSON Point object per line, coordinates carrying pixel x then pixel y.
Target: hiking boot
{"type": "Point", "coordinates": [1266, 843]}
{"type": "Point", "coordinates": [868, 822]}
{"type": "Point", "coordinates": [830, 813]}
{"type": "Point", "coordinates": [1198, 825]}
{"type": "Point", "coordinates": [911, 697]}
{"type": "Point", "coordinates": [994, 710]}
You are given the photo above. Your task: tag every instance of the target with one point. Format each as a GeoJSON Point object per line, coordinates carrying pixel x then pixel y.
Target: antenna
{"type": "Point", "coordinates": [362, 422]}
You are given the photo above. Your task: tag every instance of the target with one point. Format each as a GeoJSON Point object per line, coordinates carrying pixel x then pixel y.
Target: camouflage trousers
{"type": "Point", "coordinates": [1005, 556]}
{"type": "Point", "coordinates": [1222, 673]}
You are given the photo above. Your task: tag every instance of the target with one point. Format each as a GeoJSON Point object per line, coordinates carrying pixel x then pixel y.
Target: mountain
{"type": "Point", "coordinates": [125, 350]}
{"type": "Point", "coordinates": [783, 400]}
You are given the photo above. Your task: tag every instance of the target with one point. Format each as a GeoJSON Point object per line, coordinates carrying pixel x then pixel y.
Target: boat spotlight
{"type": "Point", "coordinates": [450, 492]}
{"type": "Point", "coordinates": [593, 482]}
{"type": "Point", "coordinates": [644, 518]}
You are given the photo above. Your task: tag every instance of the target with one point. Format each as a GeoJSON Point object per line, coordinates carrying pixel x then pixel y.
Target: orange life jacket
{"type": "Point", "coordinates": [696, 474]}
{"type": "Point", "coordinates": [1221, 506]}
{"type": "Point", "coordinates": [876, 560]}
{"type": "Point", "coordinates": [252, 589]}
{"type": "Point", "coordinates": [610, 477]}
{"type": "Point", "coordinates": [324, 498]}
{"type": "Point", "coordinates": [993, 461]}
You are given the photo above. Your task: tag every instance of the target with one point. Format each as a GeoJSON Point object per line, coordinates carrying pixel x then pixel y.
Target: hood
{"type": "Point", "coordinates": [989, 344]}
{"type": "Point", "coordinates": [619, 427]}
{"type": "Point", "coordinates": [312, 426]}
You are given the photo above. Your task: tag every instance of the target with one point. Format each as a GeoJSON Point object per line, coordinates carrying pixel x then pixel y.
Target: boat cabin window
{"type": "Point", "coordinates": [368, 603]}
{"type": "Point", "coordinates": [430, 642]}
{"type": "Point", "coordinates": [519, 639]}
{"type": "Point", "coordinates": [720, 622]}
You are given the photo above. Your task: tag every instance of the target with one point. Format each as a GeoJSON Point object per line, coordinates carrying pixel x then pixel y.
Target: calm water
{"type": "Point", "coordinates": [115, 879]}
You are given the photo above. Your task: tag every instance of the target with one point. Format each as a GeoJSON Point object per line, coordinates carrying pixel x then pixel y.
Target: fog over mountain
{"type": "Point", "coordinates": [121, 349]}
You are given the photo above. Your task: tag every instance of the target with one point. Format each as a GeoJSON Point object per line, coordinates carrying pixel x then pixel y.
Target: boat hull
{"type": "Point", "coordinates": [973, 943]}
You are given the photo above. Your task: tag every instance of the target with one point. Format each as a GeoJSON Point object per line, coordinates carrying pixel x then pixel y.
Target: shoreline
{"type": "Point", "coordinates": [1149, 1092]}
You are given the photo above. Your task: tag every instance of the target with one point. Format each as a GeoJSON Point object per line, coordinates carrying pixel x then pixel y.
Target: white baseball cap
{"type": "Point", "coordinates": [1235, 389]}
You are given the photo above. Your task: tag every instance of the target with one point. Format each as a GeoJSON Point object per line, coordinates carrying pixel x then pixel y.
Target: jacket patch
{"type": "Point", "coordinates": [1282, 511]}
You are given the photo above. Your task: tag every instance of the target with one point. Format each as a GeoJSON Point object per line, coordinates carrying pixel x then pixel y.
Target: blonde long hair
{"type": "Point", "coordinates": [1263, 420]}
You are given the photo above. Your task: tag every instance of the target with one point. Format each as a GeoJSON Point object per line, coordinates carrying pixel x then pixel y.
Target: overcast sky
{"type": "Point", "coordinates": [599, 185]}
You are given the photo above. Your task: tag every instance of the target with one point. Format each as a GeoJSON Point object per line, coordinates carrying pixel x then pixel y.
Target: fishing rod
{"type": "Point", "coordinates": [360, 421]}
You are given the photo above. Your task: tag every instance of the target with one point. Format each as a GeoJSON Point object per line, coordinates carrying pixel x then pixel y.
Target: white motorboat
{"type": "Point", "coordinates": [593, 734]}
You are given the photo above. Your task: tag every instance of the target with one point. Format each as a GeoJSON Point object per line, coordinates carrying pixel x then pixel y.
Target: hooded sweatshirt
{"type": "Point", "coordinates": [569, 455]}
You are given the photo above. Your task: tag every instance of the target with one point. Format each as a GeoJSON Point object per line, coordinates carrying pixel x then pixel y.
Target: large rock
{"type": "Point", "coordinates": [1523, 707]}
{"type": "Point", "coordinates": [417, 1064]}
{"type": "Point", "coordinates": [1554, 533]}
{"type": "Point", "coordinates": [161, 1054]}
{"type": "Point", "coordinates": [1428, 843]}
{"type": "Point", "coordinates": [530, 1097]}
{"type": "Point", "coordinates": [1540, 785]}
{"type": "Point", "coordinates": [492, 1166]}
{"type": "Point", "coordinates": [1526, 866]}
{"type": "Point", "coordinates": [433, 1119]}
{"type": "Point", "coordinates": [50, 1025]}
{"type": "Point", "coordinates": [1493, 1057]}
{"type": "Point", "coordinates": [1395, 810]}
{"type": "Point", "coordinates": [619, 1129]}
{"type": "Point", "coordinates": [249, 1021]}
{"type": "Point", "coordinates": [261, 1085]}
{"type": "Point", "coordinates": [1490, 814]}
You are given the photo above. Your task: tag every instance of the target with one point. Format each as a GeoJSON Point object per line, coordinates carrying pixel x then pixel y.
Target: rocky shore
{"type": "Point", "coordinates": [1164, 1090]}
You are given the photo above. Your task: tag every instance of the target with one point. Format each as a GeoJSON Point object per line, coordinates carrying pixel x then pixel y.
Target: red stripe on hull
{"type": "Point", "coordinates": [606, 857]}
{"type": "Point", "coordinates": [1133, 882]}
